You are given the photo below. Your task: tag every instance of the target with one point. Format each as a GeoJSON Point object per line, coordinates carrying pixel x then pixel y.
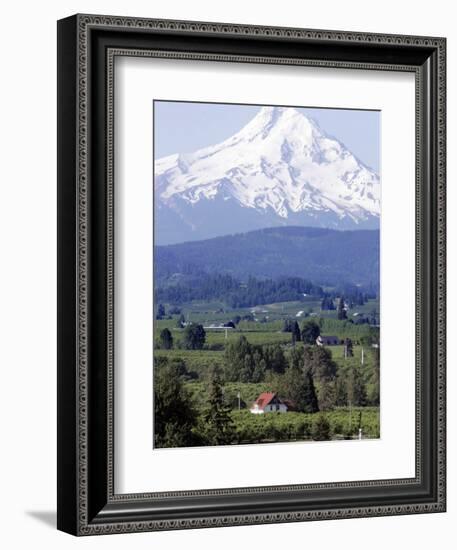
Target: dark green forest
{"type": "Point", "coordinates": [324, 256]}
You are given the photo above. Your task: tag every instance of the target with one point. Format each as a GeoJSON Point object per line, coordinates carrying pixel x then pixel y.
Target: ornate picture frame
{"type": "Point", "coordinates": [87, 500]}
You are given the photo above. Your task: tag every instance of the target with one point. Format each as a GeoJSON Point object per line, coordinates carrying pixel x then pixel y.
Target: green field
{"type": "Point", "coordinates": [264, 331]}
{"type": "Point", "coordinates": [294, 426]}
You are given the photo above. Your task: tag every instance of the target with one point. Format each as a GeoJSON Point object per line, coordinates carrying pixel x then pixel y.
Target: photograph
{"type": "Point", "coordinates": [266, 274]}
{"type": "Point", "coordinates": [251, 272]}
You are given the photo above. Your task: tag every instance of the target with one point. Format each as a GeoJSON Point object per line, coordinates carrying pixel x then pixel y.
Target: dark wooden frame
{"type": "Point", "coordinates": [87, 46]}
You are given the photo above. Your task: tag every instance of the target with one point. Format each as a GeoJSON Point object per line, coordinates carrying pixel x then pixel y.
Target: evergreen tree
{"type": "Point", "coordinates": [326, 395]}
{"type": "Point", "coordinates": [160, 312]}
{"type": "Point", "coordinates": [274, 358]}
{"type": "Point", "coordinates": [293, 339]}
{"type": "Point", "coordinates": [295, 358]}
{"type": "Point", "coordinates": [357, 392]}
{"type": "Point", "coordinates": [239, 361]}
{"type": "Point", "coordinates": [348, 348]}
{"type": "Point", "coordinates": [341, 311]}
{"type": "Point", "coordinates": [341, 392]}
{"type": "Point", "coordinates": [174, 416]}
{"type": "Point", "coordinates": [319, 360]}
{"type": "Point", "coordinates": [321, 428]}
{"type": "Point", "coordinates": [218, 428]}
{"type": "Point", "coordinates": [310, 402]}
{"type": "Point", "coordinates": [194, 337]}
{"type": "Point", "coordinates": [374, 391]}
{"type": "Point", "coordinates": [166, 339]}
{"type": "Point", "coordinates": [309, 332]}
{"type": "Point", "coordinates": [296, 331]}
{"type": "Point", "coordinates": [286, 326]}
{"type": "Point", "coordinates": [298, 387]}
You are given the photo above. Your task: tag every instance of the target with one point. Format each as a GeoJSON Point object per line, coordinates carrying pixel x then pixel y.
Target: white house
{"type": "Point", "coordinates": [268, 402]}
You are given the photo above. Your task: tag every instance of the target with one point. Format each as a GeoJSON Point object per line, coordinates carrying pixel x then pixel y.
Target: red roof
{"type": "Point", "coordinates": [264, 398]}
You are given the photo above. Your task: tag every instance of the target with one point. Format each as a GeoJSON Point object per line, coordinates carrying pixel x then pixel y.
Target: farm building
{"type": "Point", "coordinates": [327, 341]}
{"type": "Point", "coordinates": [268, 402]}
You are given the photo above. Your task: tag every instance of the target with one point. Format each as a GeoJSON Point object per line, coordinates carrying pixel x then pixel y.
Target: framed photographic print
{"type": "Point", "coordinates": [251, 274]}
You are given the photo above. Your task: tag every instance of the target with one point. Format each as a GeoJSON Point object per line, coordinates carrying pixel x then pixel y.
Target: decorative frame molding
{"type": "Point", "coordinates": [88, 45]}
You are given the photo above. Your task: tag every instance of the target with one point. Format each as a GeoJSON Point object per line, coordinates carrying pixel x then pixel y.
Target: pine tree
{"type": "Point", "coordinates": [166, 339]}
{"type": "Point", "coordinates": [297, 385]}
{"type": "Point", "coordinates": [309, 333]}
{"type": "Point", "coordinates": [296, 331]}
{"type": "Point", "coordinates": [374, 393]}
{"type": "Point", "coordinates": [357, 392]}
{"type": "Point", "coordinates": [319, 360]}
{"type": "Point", "coordinates": [309, 393]}
{"type": "Point", "coordinates": [341, 392]}
{"type": "Point", "coordinates": [218, 426]}
{"type": "Point", "coordinates": [326, 395]}
{"type": "Point", "coordinates": [341, 311]}
{"type": "Point", "coordinates": [160, 312]}
{"type": "Point", "coordinates": [274, 358]}
{"type": "Point", "coordinates": [194, 337]}
{"type": "Point", "coordinates": [348, 348]}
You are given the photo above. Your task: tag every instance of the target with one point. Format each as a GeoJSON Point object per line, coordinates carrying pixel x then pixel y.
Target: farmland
{"type": "Point", "coordinates": [348, 397]}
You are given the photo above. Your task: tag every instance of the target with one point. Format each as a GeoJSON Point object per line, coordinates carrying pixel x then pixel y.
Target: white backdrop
{"type": "Point", "coordinates": [28, 280]}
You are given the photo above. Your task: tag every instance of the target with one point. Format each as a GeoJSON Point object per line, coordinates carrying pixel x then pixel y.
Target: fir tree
{"type": "Point", "coordinates": [194, 337]}
{"type": "Point", "coordinates": [310, 331]}
{"type": "Point", "coordinates": [310, 402]}
{"type": "Point", "coordinates": [357, 392]}
{"type": "Point", "coordinates": [374, 393]}
{"type": "Point", "coordinates": [160, 312]}
{"type": "Point", "coordinates": [166, 339]}
{"type": "Point", "coordinates": [326, 395]}
{"type": "Point", "coordinates": [218, 426]}
{"type": "Point", "coordinates": [341, 311]}
{"type": "Point", "coordinates": [296, 331]}
{"type": "Point", "coordinates": [348, 348]}
{"type": "Point", "coordinates": [319, 360]}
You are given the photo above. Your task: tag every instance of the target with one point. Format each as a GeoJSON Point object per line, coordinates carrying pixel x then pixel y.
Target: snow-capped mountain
{"type": "Point", "coordinates": [280, 169]}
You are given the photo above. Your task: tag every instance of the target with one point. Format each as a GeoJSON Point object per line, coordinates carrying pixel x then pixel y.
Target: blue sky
{"type": "Point", "coordinates": [184, 127]}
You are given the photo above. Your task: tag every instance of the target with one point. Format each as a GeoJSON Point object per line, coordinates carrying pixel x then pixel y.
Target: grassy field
{"type": "Point", "coordinates": [218, 312]}
{"type": "Point", "coordinates": [265, 328]}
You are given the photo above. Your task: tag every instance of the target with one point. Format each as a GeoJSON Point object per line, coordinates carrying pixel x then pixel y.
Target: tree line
{"type": "Point", "coordinates": [236, 293]}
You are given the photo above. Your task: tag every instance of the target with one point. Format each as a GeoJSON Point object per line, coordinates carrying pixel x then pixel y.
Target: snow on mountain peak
{"type": "Point", "coordinates": [280, 161]}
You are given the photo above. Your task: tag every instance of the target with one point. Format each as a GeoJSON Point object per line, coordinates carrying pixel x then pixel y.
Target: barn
{"type": "Point", "coordinates": [327, 341]}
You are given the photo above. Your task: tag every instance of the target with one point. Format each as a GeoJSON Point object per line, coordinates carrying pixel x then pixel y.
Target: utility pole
{"type": "Point", "coordinates": [239, 400]}
{"type": "Point", "coordinates": [362, 358]}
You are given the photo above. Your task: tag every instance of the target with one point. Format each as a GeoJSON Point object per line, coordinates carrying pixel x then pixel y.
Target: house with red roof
{"type": "Point", "coordinates": [268, 402]}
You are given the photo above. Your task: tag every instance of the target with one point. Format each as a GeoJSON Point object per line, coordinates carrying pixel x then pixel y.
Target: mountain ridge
{"type": "Point", "coordinates": [280, 169]}
{"type": "Point", "coordinates": [321, 255]}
